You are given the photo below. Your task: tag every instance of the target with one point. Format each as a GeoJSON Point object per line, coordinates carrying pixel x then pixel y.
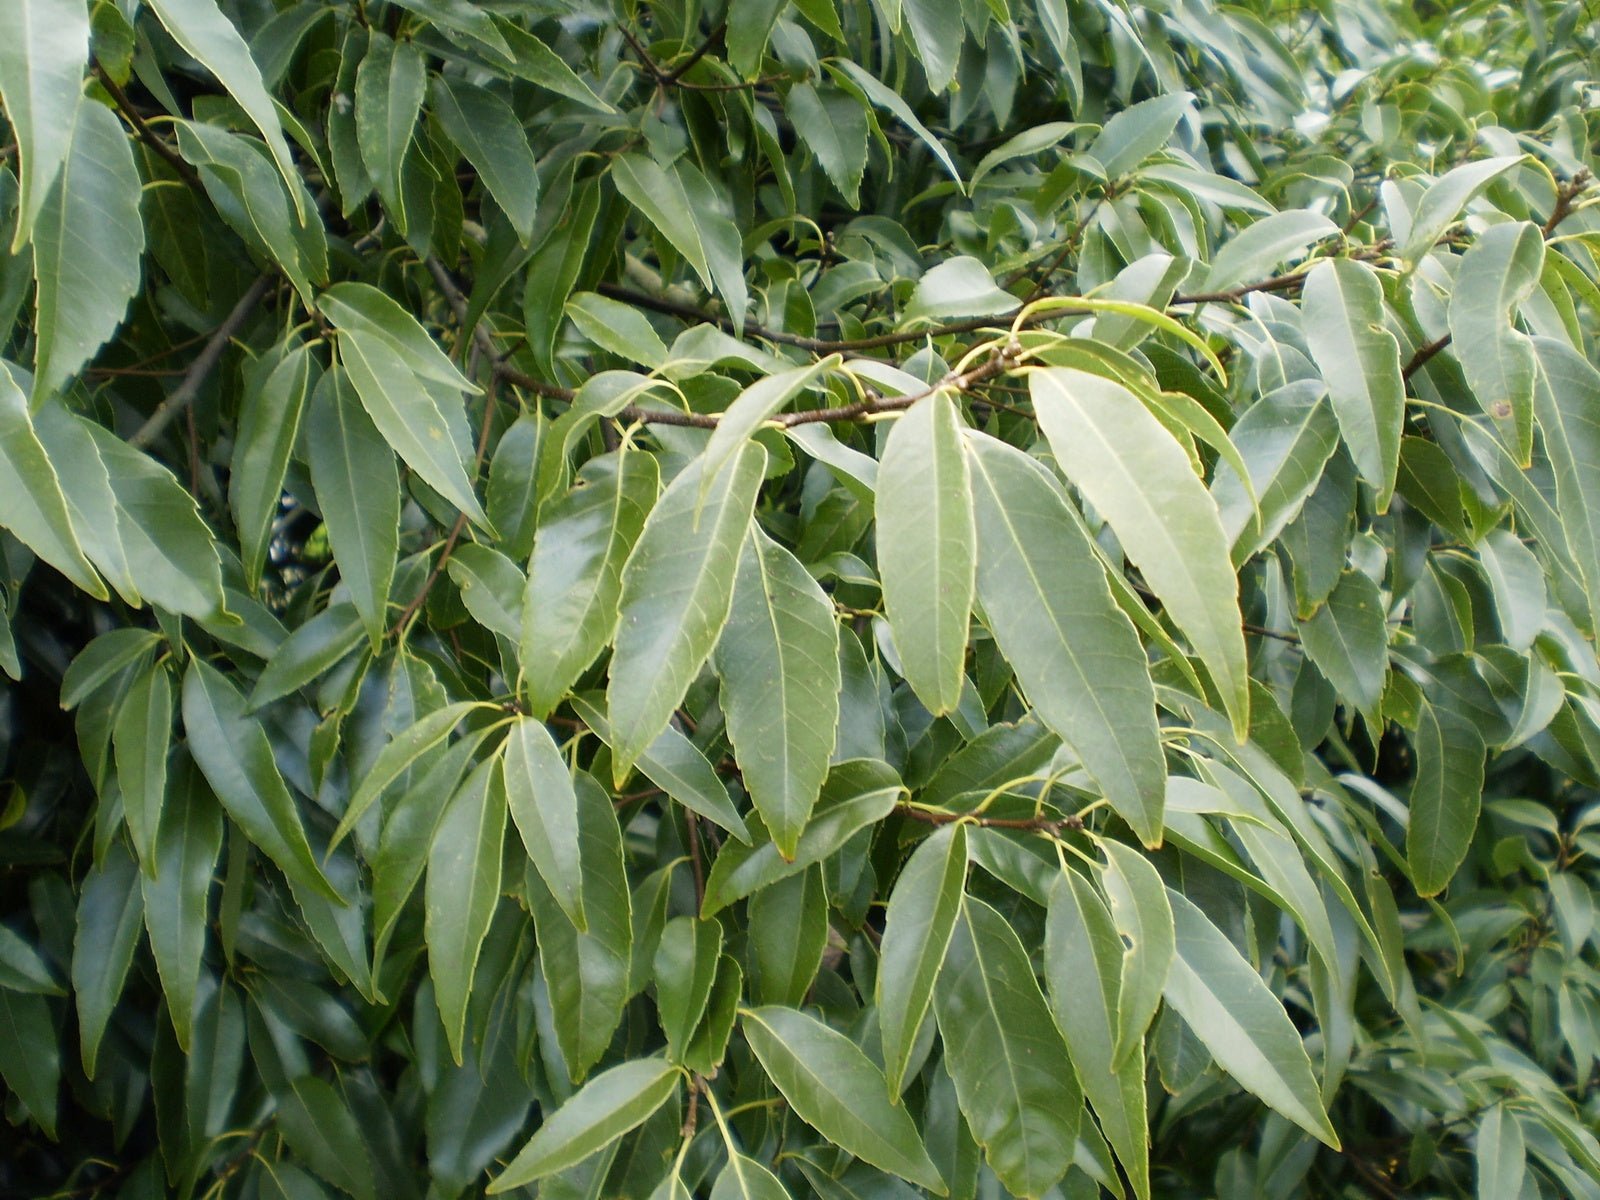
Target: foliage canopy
{"type": "Point", "coordinates": [847, 597]}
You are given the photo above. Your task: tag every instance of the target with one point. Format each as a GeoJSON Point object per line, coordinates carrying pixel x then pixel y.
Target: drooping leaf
{"type": "Point", "coordinates": [486, 130]}
{"type": "Point", "coordinates": [1348, 640]}
{"type": "Point", "coordinates": [41, 78]}
{"type": "Point", "coordinates": [685, 967]}
{"type": "Point", "coordinates": [1442, 203]}
{"type": "Point", "coordinates": [31, 500]}
{"type": "Point", "coordinates": [1566, 402]}
{"type": "Point", "coordinates": [269, 422]}
{"type": "Point", "coordinates": [110, 919]}
{"type": "Point", "coordinates": [1498, 273]}
{"type": "Point", "coordinates": [544, 806]}
{"type": "Point", "coordinates": [1445, 796]}
{"type": "Point", "coordinates": [175, 896]}
{"type": "Point", "coordinates": [1143, 918]}
{"type": "Point", "coordinates": [142, 737]}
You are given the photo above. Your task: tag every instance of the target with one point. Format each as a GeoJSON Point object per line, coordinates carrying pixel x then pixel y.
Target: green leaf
{"type": "Point", "coordinates": [778, 659]}
{"type": "Point", "coordinates": [1259, 247]}
{"type": "Point", "coordinates": [537, 63]}
{"type": "Point", "coordinates": [1445, 796]}
{"type": "Point", "coordinates": [396, 757]}
{"type": "Point", "coordinates": [588, 973]}
{"type": "Point", "coordinates": [102, 660]}
{"type": "Point", "coordinates": [604, 1109]}
{"type": "Point", "coordinates": [544, 806]}
{"type": "Point", "coordinates": [142, 737]}
{"type": "Point", "coordinates": [319, 1127]}
{"type": "Point", "coordinates": [1499, 1154]}
{"type": "Point", "coordinates": [834, 125]}
{"type": "Point", "coordinates": [743, 1178]}
{"type": "Point", "coordinates": [201, 29]}
{"type": "Point", "coordinates": [1222, 999]}
{"type": "Point", "coordinates": [305, 654]}
{"type": "Point", "coordinates": [269, 424]}
{"type": "Point", "coordinates": [1360, 359]}
{"type": "Point", "coordinates": [749, 26]}
{"type": "Point", "coordinates": [1083, 967]}
{"type": "Point", "coordinates": [487, 132]}
{"type": "Point", "coordinates": [685, 967]}
{"type": "Point", "coordinates": [462, 889]}
{"type": "Point", "coordinates": [30, 1056]}
{"type": "Point", "coordinates": [887, 98]}
{"type": "Point", "coordinates": [958, 287]}
{"type": "Point", "coordinates": [233, 753]}
{"type": "Point", "coordinates": [1566, 403]}
{"type": "Point", "coordinates": [41, 79]}
{"type": "Point", "coordinates": [1517, 582]}
{"type": "Point", "coordinates": [491, 586]}
{"type": "Point", "coordinates": [110, 919]}
{"type": "Point", "coordinates": [1137, 132]}
{"type": "Point", "coordinates": [32, 504]}
{"type": "Point", "coordinates": [1143, 919]}
{"type": "Point", "coordinates": [837, 1090]}
{"type": "Point", "coordinates": [937, 32]}
{"type": "Point", "coordinates": [1499, 272]}
{"type": "Point", "coordinates": [677, 589]}
{"type": "Point", "coordinates": [1442, 203]}
{"type": "Point", "coordinates": [927, 552]}
{"type": "Point", "coordinates": [87, 243]}
{"type": "Point", "coordinates": [917, 928]}
{"type": "Point", "coordinates": [787, 935]}
{"type": "Point", "coordinates": [358, 491]}
{"type": "Point", "coordinates": [659, 194]}
{"type": "Point", "coordinates": [675, 765]}
{"type": "Point", "coordinates": [617, 327]}
{"type": "Point", "coordinates": [1005, 1055]}
{"type": "Point", "coordinates": [22, 969]}
{"type": "Point", "coordinates": [857, 793]}
{"type": "Point", "coordinates": [390, 85]}
{"type": "Point", "coordinates": [86, 485]}
{"type": "Point", "coordinates": [1348, 640]}
{"type": "Point", "coordinates": [575, 574]}
{"type": "Point", "coordinates": [171, 557]}
{"type": "Point", "coordinates": [1285, 439]}
{"type": "Point", "coordinates": [175, 896]}
{"type": "Point", "coordinates": [1139, 479]}
{"type": "Point", "coordinates": [1079, 659]}
{"type": "Point", "coordinates": [751, 408]}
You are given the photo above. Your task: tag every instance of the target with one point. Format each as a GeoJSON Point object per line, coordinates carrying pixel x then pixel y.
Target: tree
{"type": "Point", "coordinates": [835, 597]}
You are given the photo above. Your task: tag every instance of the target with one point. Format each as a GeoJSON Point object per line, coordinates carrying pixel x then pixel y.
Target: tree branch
{"type": "Point", "coordinates": [125, 106]}
{"type": "Point", "coordinates": [1054, 826]}
{"type": "Point", "coordinates": [204, 363]}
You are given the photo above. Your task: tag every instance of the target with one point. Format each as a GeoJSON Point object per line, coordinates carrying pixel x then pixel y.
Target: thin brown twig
{"type": "Point", "coordinates": [1054, 826]}
{"type": "Point", "coordinates": [149, 136]}
{"type": "Point", "coordinates": [204, 363]}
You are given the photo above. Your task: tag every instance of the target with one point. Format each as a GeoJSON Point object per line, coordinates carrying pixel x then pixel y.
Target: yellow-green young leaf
{"type": "Point", "coordinates": [1004, 1054]}
{"type": "Point", "coordinates": [617, 327]}
{"type": "Point", "coordinates": [1139, 479]}
{"type": "Point", "coordinates": [201, 29]}
{"type": "Point", "coordinates": [1496, 274]}
{"type": "Point", "coordinates": [917, 927]}
{"type": "Point", "coordinates": [675, 765]}
{"type": "Point", "coordinates": [1083, 968]}
{"type": "Point", "coordinates": [1143, 918]}
{"type": "Point", "coordinates": [1566, 402]}
{"type": "Point", "coordinates": [575, 575]}
{"type": "Point", "coordinates": [233, 753]}
{"type": "Point", "coordinates": [1500, 1154]}
{"type": "Point", "coordinates": [358, 492]}
{"type": "Point", "coordinates": [604, 1109]}
{"type": "Point", "coordinates": [142, 737]}
{"type": "Point", "coordinates": [1342, 312]}
{"type": "Point", "coordinates": [87, 243]}
{"type": "Point", "coordinates": [1079, 659]}
{"type": "Point", "coordinates": [390, 85]}
{"type": "Point", "coordinates": [857, 793]}
{"type": "Point", "coordinates": [927, 548]}
{"type": "Point", "coordinates": [42, 58]}
{"type": "Point", "coordinates": [170, 555]}
{"type": "Point", "coordinates": [833, 124]}
{"type": "Point", "coordinates": [544, 806]}
{"type": "Point", "coordinates": [1222, 999]}
{"type": "Point", "coordinates": [1348, 640]}
{"type": "Point", "coordinates": [1442, 203]}
{"type": "Point", "coordinates": [685, 967]}
{"type": "Point", "coordinates": [110, 918]}
{"type": "Point", "coordinates": [778, 659]}
{"type": "Point", "coordinates": [487, 132]}
{"type": "Point", "coordinates": [175, 907]}
{"type": "Point", "coordinates": [837, 1090]}
{"type": "Point", "coordinates": [1445, 796]}
{"type": "Point", "coordinates": [677, 588]}
{"type": "Point", "coordinates": [269, 424]}
{"type": "Point", "coordinates": [32, 504]}
{"type": "Point", "coordinates": [396, 756]}
{"type": "Point", "coordinates": [587, 973]}
{"type": "Point", "coordinates": [462, 889]}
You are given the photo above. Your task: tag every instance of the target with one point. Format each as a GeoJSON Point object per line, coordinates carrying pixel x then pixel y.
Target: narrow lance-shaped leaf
{"type": "Point", "coordinates": [142, 737]}
{"type": "Point", "coordinates": [1139, 479]}
{"type": "Point", "coordinates": [1046, 600]}
{"type": "Point", "coordinates": [751, 407]}
{"type": "Point", "coordinates": [1360, 359]}
{"type": "Point", "coordinates": [462, 889]}
{"type": "Point", "coordinates": [1348, 641]}
{"type": "Point", "coordinates": [1498, 272]}
{"type": "Point", "coordinates": [389, 88]}
{"type": "Point", "coordinates": [42, 59]}
{"type": "Point", "coordinates": [87, 243]}
{"type": "Point", "coordinates": [110, 919]}
{"type": "Point", "coordinates": [837, 1090]}
{"type": "Point", "coordinates": [677, 588]}
{"type": "Point", "coordinates": [1442, 203]}
{"type": "Point", "coordinates": [544, 806]}
{"type": "Point", "coordinates": [1445, 796]}
{"type": "Point", "coordinates": [1083, 961]}
{"type": "Point", "coordinates": [32, 503]}
{"type": "Point", "coordinates": [1143, 918]}
{"type": "Point", "coordinates": [918, 924]}
{"type": "Point", "coordinates": [685, 967]}
{"type": "Point", "coordinates": [927, 551]}
{"type": "Point", "coordinates": [778, 659]}
{"type": "Point", "coordinates": [1222, 999]}
{"type": "Point", "coordinates": [269, 423]}
{"type": "Point", "coordinates": [604, 1109]}
{"type": "Point", "coordinates": [486, 130]}
{"type": "Point", "coordinates": [175, 895]}
{"type": "Point", "coordinates": [1003, 1052]}
{"type": "Point", "coordinates": [1500, 1154]}
{"type": "Point", "coordinates": [396, 757]}
{"type": "Point", "coordinates": [358, 490]}
{"type": "Point", "coordinates": [1566, 401]}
